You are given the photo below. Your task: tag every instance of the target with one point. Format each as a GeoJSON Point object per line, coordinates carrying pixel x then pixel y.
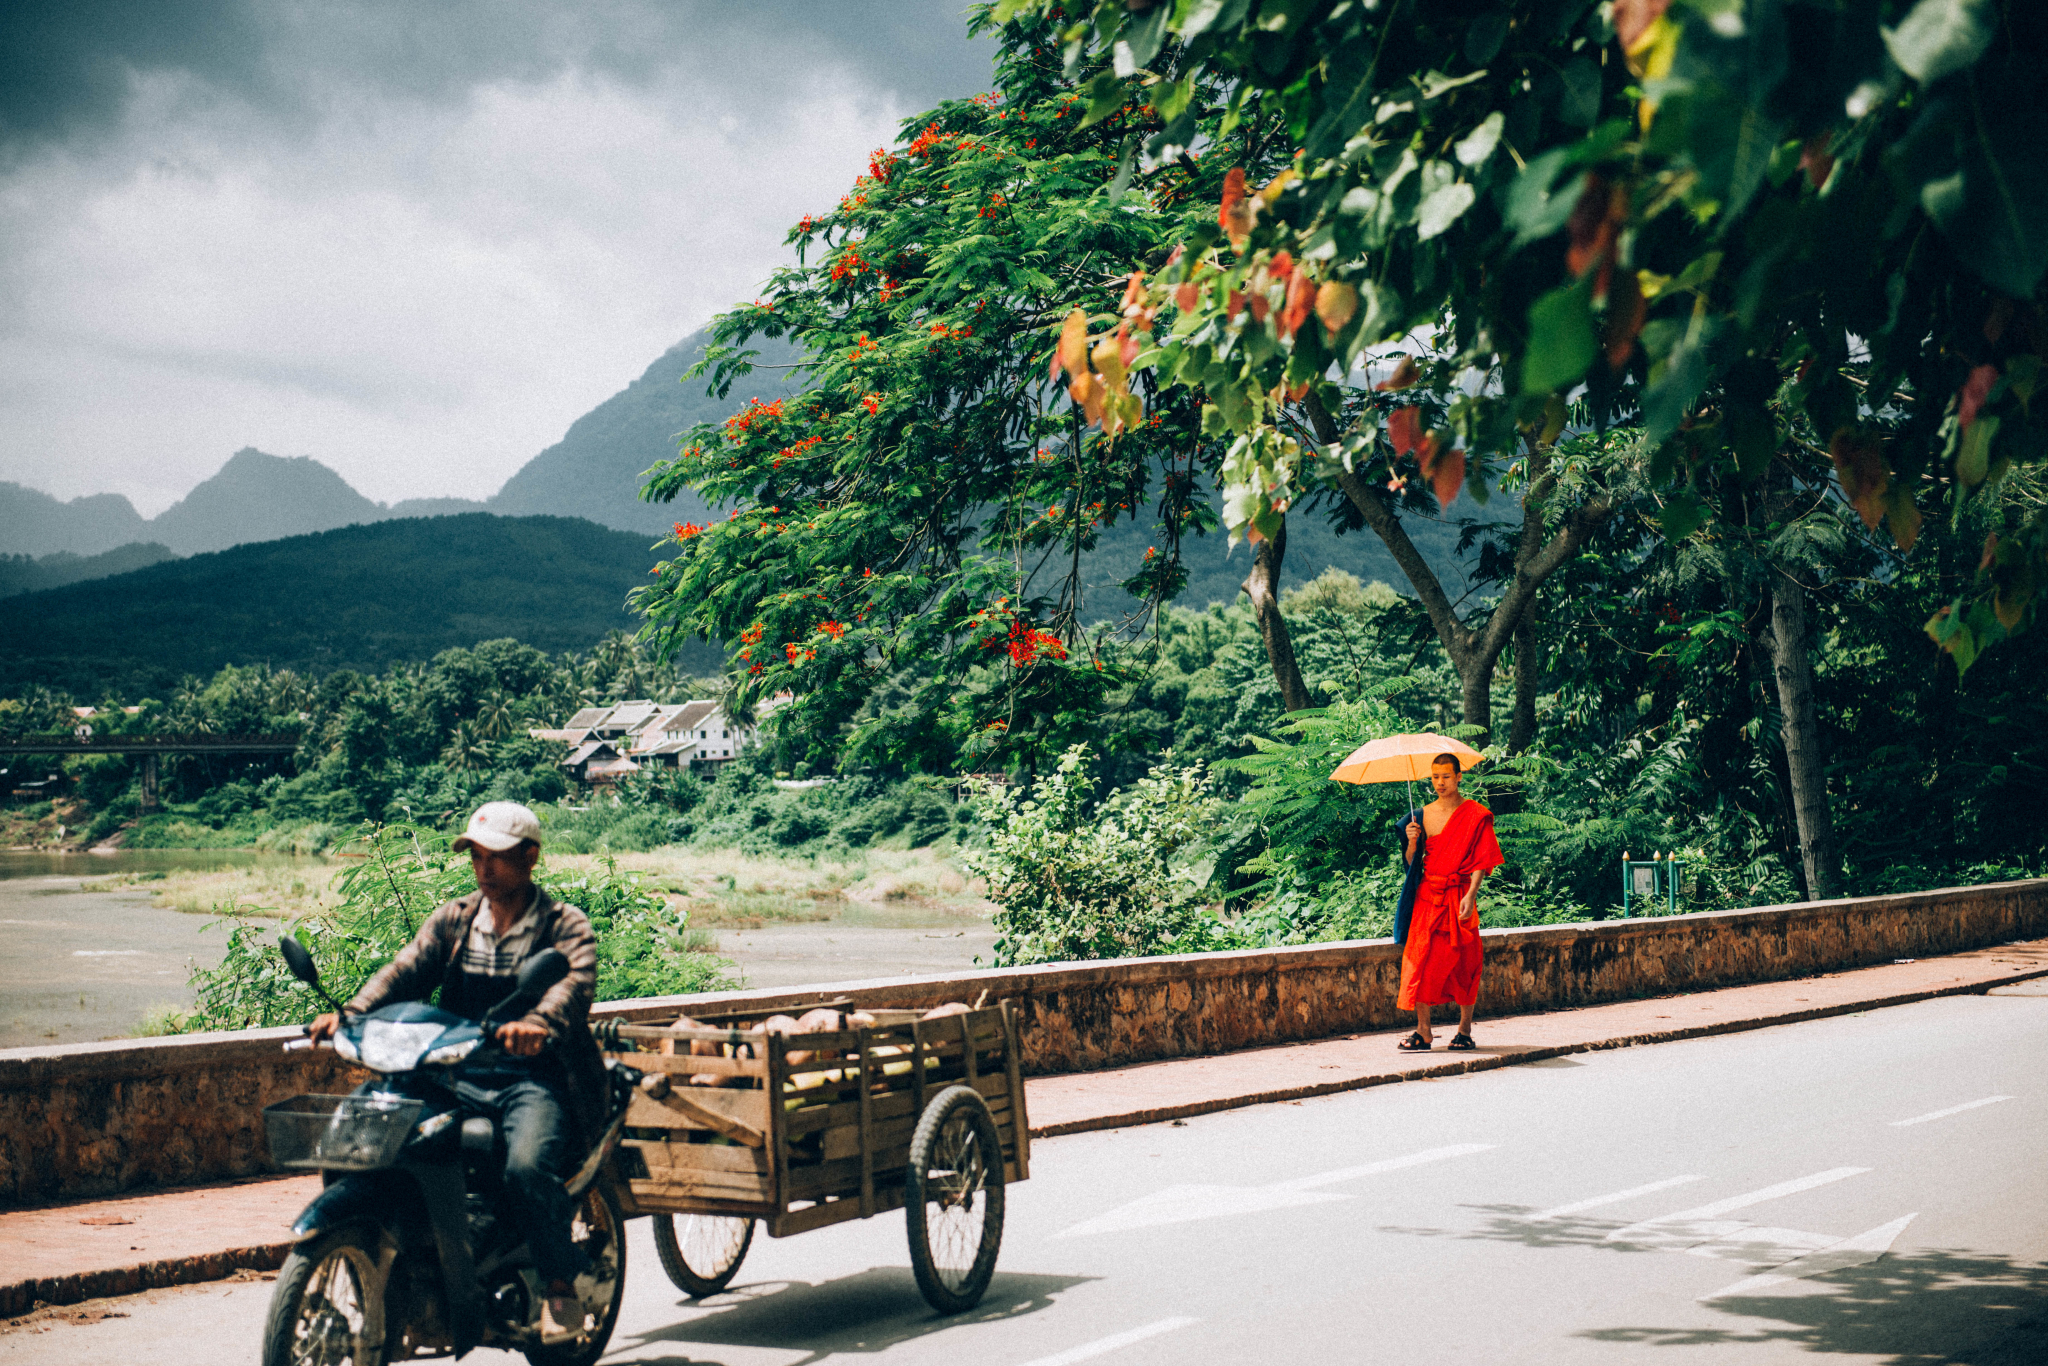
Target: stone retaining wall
{"type": "Point", "coordinates": [97, 1118]}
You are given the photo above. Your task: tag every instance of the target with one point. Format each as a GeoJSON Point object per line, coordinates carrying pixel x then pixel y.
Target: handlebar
{"type": "Point", "coordinates": [298, 1045]}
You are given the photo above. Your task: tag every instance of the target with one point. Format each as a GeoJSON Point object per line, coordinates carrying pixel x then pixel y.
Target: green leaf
{"type": "Point", "coordinates": [1973, 456]}
{"type": "Point", "coordinates": [1562, 339]}
{"type": "Point", "coordinates": [1436, 213]}
{"type": "Point", "coordinates": [1484, 36]}
{"type": "Point", "coordinates": [1940, 37]}
{"type": "Point", "coordinates": [1534, 209]}
{"type": "Point", "coordinates": [1682, 515]}
{"type": "Point", "coordinates": [1475, 147]}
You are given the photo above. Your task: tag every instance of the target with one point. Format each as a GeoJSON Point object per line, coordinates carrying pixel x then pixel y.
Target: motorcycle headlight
{"type": "Point", "coordinates": [451, 1053]}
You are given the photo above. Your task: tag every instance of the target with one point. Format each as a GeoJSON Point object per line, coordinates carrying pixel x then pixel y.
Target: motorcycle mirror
{"type": "Point", "coordinates": [301, 964]}
{"type": "Point", "coordinates": [299, 961]}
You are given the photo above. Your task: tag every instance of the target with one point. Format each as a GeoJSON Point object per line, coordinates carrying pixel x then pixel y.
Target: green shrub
{"type": "Point", "coordinates": [404, 875]}
{"type": "Point", "coordinates": [1075, 879]}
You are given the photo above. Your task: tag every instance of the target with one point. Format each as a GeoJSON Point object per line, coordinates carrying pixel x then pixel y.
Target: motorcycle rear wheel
{"type": "Point", "coordinates": [328, 1307]}
{"type": "Point", "coordinates": [600, 1230]}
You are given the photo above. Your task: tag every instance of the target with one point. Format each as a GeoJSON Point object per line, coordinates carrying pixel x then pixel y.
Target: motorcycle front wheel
{"type": "Point", "coordinates": [328, 1307]}
{"type": "Point", "coordinates": [600, 1230]}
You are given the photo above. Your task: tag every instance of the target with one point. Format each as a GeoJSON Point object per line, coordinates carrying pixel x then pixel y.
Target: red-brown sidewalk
{"type": "Point", "coordinates": [67, 1253]}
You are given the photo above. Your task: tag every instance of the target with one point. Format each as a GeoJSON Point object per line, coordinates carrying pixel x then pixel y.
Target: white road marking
{"type": "Point", "coordinates": [1101, 1346]}
{"type": "Point", "coordinates": [1182, 1204]}
{"type": "Point", "coordinates": [1597, 1201]}
{"type": "Point", "coordinates": [1951, 1110]}
{"type": "Point", "coordinates": [1690, 1227]}
{"type": "Point", "coordinates": [1392, 1164]}
{"type": "Point", "coordinates": [1860, 1250]}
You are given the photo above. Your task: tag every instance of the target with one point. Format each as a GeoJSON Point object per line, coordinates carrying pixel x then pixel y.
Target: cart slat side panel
{"type": "Point", "coordinates": [837, 1144]}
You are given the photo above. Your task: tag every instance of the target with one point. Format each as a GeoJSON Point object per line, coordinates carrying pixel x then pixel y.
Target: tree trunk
{"type": "Point", "coordinates": [1262, 585]}
{"type": "Point", "coordinates": [1473, 654]}
{"type": "Point", "coordinates": [1793, 664]}
{"type": "Point", "coordinates": [1522, 730]}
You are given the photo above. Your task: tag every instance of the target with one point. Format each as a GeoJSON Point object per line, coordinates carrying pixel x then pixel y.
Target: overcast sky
{"type": "Point", "coordinates": [414, 239]}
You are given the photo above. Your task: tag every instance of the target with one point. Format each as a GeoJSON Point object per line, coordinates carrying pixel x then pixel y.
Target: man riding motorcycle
{"type": "Point", "coordinates": [546, 1092]}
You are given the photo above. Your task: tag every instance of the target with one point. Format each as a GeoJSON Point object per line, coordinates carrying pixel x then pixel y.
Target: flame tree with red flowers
{"type": "Point", "coordinates": [905, 553]}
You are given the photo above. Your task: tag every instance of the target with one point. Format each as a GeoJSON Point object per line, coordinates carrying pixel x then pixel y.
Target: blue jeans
{"type": "Point", "coordinates": [541, 1151]}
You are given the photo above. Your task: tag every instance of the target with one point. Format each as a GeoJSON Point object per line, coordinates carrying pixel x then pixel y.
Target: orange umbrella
{"type": "Point", "coordinates": [1399, 758]}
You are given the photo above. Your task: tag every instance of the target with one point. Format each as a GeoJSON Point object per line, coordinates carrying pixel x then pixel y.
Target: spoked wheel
{"type": "Point", "coordinates": [701, 1252]}
{"type": "Point", "coordinates": [328, 1307]}
{"type": "Point", "coordinates": [600, 1231]}
{"type": "Point", "coordinates": [954, 1199]}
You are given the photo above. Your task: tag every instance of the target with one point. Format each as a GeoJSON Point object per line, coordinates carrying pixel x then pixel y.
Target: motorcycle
{"type": "Point", "coordinates": [412, 1249]}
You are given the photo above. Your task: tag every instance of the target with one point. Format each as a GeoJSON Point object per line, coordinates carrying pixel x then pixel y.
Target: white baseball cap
{"type": "Point", "coordinates": [498, 826]}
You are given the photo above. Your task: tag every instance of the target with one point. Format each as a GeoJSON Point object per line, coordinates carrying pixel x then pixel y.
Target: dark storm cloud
{"type": "Point", "coordinates": [69, 68]}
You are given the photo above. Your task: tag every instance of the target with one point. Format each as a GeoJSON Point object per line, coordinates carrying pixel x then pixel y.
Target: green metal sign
{"type": "Point", "coordinates": [1650, 881]}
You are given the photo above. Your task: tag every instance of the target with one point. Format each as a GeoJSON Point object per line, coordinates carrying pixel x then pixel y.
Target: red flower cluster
{"type": "Point", "coordinates": [685, 530]}
{"type": "Point", "coordinates": [742, 422]}
{"type": "Point", "coordinates": [926, 142]}
{"type": "Point", "coordinates": [850, 262]}
{"type": "Point", "coordinates": [798, 654]}
{"type": "Point", "coordinates": [873, 403]}
{"type": "Point", "coordinates": [1027, 644]}
{"type": "Point", "coordinates": [832, 629]}
{"type": "Point", "coordinates": [879, 162]}
{"type": "Point", "coordinates": [752, 635]}
{"type": "Point", "coordinates": [996, 204]}
{"type": "Point", "coordinates": [792, 452]}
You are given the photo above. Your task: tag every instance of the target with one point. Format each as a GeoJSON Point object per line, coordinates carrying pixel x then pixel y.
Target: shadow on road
{"type": "Point", "coordinates": [868, 1312]}
{"type": "Point", "coordinates": [1946, 1305]}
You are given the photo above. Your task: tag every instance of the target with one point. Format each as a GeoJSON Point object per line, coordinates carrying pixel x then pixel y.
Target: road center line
{"type": "Point", "coordinates": [1392, 1164]}
{"type": "Point", "coordinates": [1631, 1193]}
{"type": "Point", "coordinates": [1951, 1110]}
{"type": "Point", "coordinates": [1736, 1202]}
{"type": "Point", "coordinates": [1089, 1350]}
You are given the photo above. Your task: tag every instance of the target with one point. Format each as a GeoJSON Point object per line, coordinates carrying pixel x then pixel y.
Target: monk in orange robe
{"type": "Point", "coordinates": [1441, 957]}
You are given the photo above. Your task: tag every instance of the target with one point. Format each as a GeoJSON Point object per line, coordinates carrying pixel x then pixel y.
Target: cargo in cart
{"type": "Point", "coordinates": [742, 1121]}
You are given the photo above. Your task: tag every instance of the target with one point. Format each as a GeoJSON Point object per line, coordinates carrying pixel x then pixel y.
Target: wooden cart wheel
{"type": "Point", "coordinates": [953, 1199]}
{"type": "Point", "coordinates": [701, 1252]}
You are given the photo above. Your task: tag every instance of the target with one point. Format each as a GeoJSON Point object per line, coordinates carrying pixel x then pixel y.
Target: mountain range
{"type": "Point", "coordinates": [593, 472]}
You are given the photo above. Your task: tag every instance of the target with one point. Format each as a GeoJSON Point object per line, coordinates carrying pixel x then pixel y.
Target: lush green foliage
{"type": "Point", "coordinates": [1078, 878]}
{"type": "Point", "coordinates": [404, 874]}
{"type": "Point", "coordinates": [1724, 217]}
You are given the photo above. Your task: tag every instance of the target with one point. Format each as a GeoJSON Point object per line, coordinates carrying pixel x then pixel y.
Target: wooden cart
{"type": "Point", "coordinates": [926, 1115]}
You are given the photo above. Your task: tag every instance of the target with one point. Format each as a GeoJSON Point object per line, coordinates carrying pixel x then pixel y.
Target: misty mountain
{"type": "Point", "coordinates": [356, 597]}
{"type": "Point", "coordinates": [594, 470]}
{"type": "Point", "coordinates": [34, 523]}
{"type": "Point", "coordinates": [28, 574]}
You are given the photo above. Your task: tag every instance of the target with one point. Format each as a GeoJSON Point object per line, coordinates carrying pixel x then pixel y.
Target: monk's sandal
{"type": "Point", "coordinates": [1462, 1042]}
{"type": "Point", "coordinates": [1414, 1043]}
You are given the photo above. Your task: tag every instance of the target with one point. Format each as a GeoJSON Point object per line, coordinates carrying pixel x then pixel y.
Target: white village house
{"type": "Point", "coordinates": [606, 743]}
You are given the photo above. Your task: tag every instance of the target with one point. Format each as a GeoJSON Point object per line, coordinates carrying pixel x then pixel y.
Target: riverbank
{"type": "Point", "coordinates": [100, 946]}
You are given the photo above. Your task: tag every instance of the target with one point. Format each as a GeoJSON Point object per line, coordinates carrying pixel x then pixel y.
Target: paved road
{"type": "Point", "coordinates": [1887, 1166]}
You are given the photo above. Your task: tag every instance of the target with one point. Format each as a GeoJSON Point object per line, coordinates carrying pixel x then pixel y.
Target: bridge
{"type": "Point", "coordinates": [83, 741]}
